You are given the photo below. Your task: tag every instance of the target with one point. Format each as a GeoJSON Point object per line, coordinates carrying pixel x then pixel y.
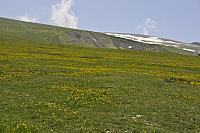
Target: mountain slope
{"type": "Point", "coordinates": [17, 31]}
{"type": "Point", "coordinates": [12, 30]}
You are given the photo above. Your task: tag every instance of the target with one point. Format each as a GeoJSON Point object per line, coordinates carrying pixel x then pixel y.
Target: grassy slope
{"type": "Point", "coordinates": [12, 30]}
{"type": "Point", "coordinates": [56, 88]}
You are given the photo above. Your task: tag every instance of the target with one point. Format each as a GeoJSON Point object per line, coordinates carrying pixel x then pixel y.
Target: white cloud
{"type": "Point", "coordinates": [27, 18]}
{"type": "Point", "coordinates": [148, 27]}
{"type": "Point", "coordinates": [62, 14]}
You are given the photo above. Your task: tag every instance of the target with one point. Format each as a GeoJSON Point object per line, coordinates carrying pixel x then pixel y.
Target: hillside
{"type": "Point", "coordinates": [17, 31]}
{"type": "Point", "coordinates": [48, 83]}
{"type": "Point", "coordinates": [196, 43]}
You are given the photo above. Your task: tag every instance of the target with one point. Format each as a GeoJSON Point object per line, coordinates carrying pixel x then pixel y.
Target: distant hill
{"type": "Point", "coordinates": [25, 32]}
{"type": "Point", "coordinates": [196, 43]}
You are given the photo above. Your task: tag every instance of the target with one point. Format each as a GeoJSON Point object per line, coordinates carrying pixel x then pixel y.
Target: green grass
{"type": "Point", "coordinates": [56, 88]}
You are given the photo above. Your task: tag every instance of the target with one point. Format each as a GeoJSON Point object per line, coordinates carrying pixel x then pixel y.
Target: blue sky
{"type": "Point", "coordinates": [174, 19]}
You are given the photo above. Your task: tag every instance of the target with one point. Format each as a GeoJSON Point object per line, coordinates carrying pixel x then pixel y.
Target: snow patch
{"type": "Point", "coordinates": [94, 39]}
{"type": "Point", "coordinates": [175, 46]}
{"type": "Point", "coordinates": [138, 116]}
{"type": "Point", "coordinates": [130, 46]}
{"type": "Point", "coordinates": [190, 50]}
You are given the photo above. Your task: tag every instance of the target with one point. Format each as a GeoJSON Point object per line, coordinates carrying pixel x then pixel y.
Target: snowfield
{"type": "Point", "coordinates": [190, 50]}
{"type": "Point", "coordinates": [155, 40]}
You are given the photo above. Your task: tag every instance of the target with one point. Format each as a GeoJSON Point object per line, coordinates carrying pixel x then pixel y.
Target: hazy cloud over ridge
{"type": "Point", "coordinates": [27, 18]}
{"type": "Point", "coordinates": [63, 15]}
{"type": "Point", "coordinates": [148, 26]}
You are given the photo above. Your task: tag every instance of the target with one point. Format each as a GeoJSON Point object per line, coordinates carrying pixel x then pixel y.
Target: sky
{"type": "Point", "coordinates": [173, 19]}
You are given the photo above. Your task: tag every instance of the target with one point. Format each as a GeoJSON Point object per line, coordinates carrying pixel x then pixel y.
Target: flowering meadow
{"type": "Point", "coordinates": [57, 88]}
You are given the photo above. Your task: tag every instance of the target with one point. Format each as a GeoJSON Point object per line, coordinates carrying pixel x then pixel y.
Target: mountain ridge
{"type": "Point", "coordinates": [196, 43]}
{"type": "Point", "coordinates": [27, 32]}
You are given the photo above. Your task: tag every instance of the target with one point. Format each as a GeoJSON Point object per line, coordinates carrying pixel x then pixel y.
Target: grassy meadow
{"type": "Point", "coordinates": [57, 88]}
